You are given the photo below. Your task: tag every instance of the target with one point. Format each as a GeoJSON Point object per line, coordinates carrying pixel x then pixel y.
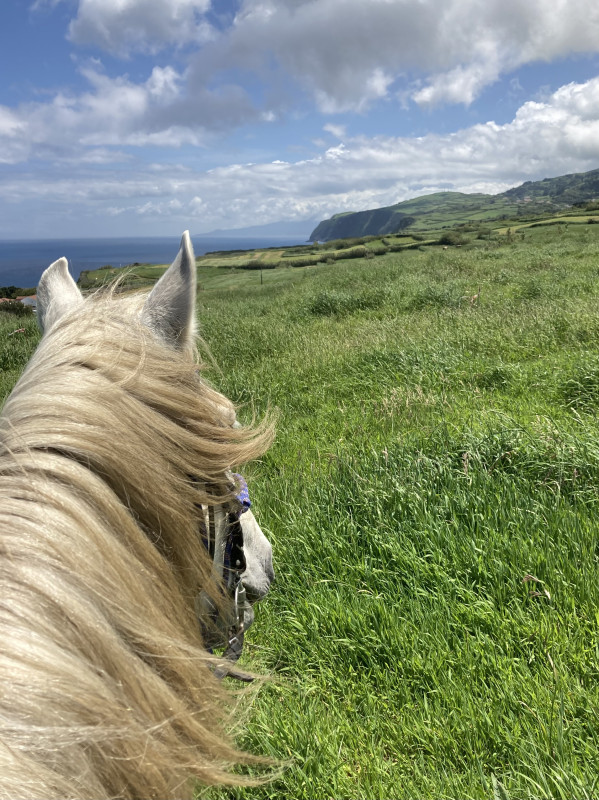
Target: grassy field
{"type": "Point", "coordinates": [433, 502]}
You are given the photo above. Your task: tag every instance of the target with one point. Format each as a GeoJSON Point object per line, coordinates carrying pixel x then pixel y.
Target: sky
{"type": "Point", "coordinates": [148, 117]}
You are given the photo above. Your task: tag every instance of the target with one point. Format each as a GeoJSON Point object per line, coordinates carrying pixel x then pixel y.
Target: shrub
{"type": "Point", "coordinates": [355, 252]}
{"type": "Point", "coordinates": [17, 308]}
{"type": "Point", "coordinates": [308, 261]}
{"type": "Point", "coordinates": [341, 244]}
{"type": "Point", "coordinates": [12, 292]}
{"type": "Point", "coordinates": [452, 238]}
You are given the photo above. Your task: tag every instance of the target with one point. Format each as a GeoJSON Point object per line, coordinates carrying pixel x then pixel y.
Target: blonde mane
{"type": "Point", "coordinates": [107, 691]}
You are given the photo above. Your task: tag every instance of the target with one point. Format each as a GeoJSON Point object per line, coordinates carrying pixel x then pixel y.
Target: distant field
{"type": "Point", "coordinates": [233, 269]}
{"type": "Point", "coordinates": [433, 502]}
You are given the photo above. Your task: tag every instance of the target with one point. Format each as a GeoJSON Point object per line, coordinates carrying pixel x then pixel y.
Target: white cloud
{"type": "Point", "coordinates": [346, 54]}
{"type": "Point", "coordinates": [160, 208]}
{"type": "Point", "coordinates": [164, 84]}
{"type": "Point", "coordinates": [553, 137]}
{"type": "Point", "coordinates": [125, 26]}
{"type": "Point", "coordinates": [335, 130]}
{"type": "Point", "coordinates": [349, 53]}
{"type": "Point", "coordinates": [12, 132]}
{"type": "Point", "coordinates": [459, 85]}
{"type": "Point", "coordinates": [118, 112]}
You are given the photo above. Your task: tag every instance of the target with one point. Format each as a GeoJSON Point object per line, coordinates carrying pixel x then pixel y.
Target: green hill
{"type": "Point", "coordinates": [446, 209]}
{"type": "Point", "coordinates": [376, 222]}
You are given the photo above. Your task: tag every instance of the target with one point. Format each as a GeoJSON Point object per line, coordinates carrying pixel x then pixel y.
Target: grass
{"type": "Point", "coordinates": [433, 502]}
{"type": "Point", "coordinates": [19, 336]}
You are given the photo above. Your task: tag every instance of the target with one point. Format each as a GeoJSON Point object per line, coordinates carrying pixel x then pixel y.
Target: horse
{"type": "Point", "coordinates": [113, 450]}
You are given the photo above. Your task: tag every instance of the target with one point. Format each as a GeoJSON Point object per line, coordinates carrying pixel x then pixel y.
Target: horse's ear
{"type": "Point", "coordinates": [57, 293]}
{"type": "Point", "coordinates": [170, 308]}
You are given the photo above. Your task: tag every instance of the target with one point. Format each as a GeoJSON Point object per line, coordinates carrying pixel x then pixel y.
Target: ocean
{"type": "Point", "coordinates": [22, 262]}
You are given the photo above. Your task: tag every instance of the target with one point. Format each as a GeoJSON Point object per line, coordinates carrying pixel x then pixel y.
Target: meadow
{"type": "Point", "coordinates": [433, 502]}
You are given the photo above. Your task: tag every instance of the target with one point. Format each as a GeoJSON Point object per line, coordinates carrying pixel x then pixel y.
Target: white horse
{"type": "Point", "coordinates": [114, 458]}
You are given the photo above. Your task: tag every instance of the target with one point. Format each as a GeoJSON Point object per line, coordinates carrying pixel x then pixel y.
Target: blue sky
{"type": "Point", "coordinates": [146, 117]}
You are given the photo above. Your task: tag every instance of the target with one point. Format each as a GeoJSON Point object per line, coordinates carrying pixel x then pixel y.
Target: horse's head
{"type": "Point", "coordinates": [114, 453]}
{"type": "Point", "coordinates": [169, 311]}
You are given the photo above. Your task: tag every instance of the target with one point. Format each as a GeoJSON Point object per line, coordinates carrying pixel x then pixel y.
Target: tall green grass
{"type": "Point", "coordinates": [432, 498]}
{"type": "Point", "coordinates": [433, 502]}
{"type": "Point", "coordinates": [19, 336]}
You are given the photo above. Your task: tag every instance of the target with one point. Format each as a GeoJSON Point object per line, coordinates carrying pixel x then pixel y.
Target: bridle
{"type": "Point", "coordinates": [222, 534]}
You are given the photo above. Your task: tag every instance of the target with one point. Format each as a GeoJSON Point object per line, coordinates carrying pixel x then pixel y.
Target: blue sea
{"type": "Point", "coordinates": [22, 262]}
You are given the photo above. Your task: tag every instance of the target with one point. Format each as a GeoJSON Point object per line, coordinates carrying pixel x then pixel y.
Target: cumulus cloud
{"type": "Point", "coordinates": [344, 54]}
{"type": "Point", "coordinates": [335, 130]}
{"type": "Point", "coordinates": [348, 53]}
{"type": "Point", "coordinates": [120, 112]}
{"type": "Point", "coordinates": [12, 136]}
{"type": "Point", "coordinates": [553, 137]}
{"type": "Point", "coordinates": [125, 26]}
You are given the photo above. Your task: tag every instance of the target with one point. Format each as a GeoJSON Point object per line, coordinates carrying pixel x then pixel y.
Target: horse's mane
{"type": "Point", "coordinates": [108, 444]}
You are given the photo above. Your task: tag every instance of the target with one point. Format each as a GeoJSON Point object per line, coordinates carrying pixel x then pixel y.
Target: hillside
{"type": "Point", "coordinates": [446, 209]}
{"type": "Point", "coordinates": [568, 190]}
{"type": "Point", "coordinates": [376, 222]}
